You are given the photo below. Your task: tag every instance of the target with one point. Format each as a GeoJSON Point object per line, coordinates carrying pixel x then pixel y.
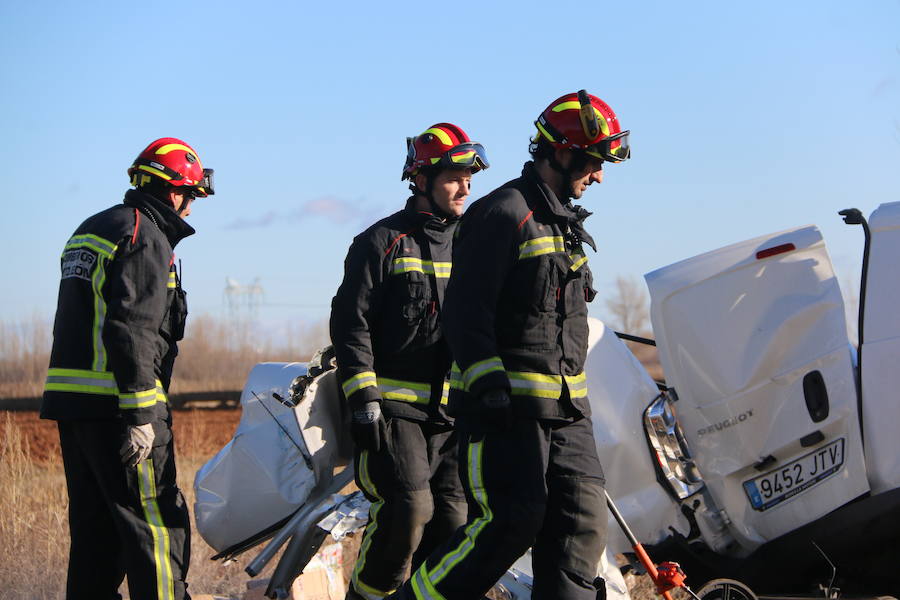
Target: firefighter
{"type": "Point", "coordinates": [515, 318]}
{"type": "Point", "coordinates": [393, 363]}
{"type": "Point", "coordinates": [121, 310]}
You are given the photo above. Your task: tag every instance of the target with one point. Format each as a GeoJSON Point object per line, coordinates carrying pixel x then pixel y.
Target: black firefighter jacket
{"type": "Point", "coordinates": [385, 317]}
{"type": "Point", "coordinates": [515, 316]}
{"type": "Point", "coordinates": [120, 312]}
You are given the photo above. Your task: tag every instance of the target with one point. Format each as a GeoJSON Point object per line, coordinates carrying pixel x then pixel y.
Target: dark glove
{"type": "Point", "coordinates": [495, 410]}
{"type": "Point", "coordinates": [367, 426]}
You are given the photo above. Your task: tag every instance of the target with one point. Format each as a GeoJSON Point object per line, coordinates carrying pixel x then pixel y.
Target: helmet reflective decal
{"type": "Point", "coordinates": [583, 122]}
{"type": "Point", "coordinates": [173, 161]}
{"type": "Point", "coordinates": [443, 144]}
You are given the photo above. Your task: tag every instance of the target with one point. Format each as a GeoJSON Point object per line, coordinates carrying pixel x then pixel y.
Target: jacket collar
{"type": "Point", "coordinates": [161, 214]}
{"type": "Point", "coordinates": [568, 214]}
{"type": "Point", "coordinates": [434, 227]}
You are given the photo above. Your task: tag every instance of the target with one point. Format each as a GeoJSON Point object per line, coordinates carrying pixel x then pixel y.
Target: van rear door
{"type": "Point", "coordinates": [880, 351]}
{"type": "Point", "coordinates": [753, 338]}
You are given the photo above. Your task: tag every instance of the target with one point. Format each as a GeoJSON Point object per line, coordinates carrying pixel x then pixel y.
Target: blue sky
{"type": "Point", "coordinates": [746, 118]}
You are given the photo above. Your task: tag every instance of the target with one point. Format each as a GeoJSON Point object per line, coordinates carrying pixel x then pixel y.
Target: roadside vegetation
{"type": "Point", "coordinates": [217, 353]}
{"type": "Point", "coordinates": [216, 356]}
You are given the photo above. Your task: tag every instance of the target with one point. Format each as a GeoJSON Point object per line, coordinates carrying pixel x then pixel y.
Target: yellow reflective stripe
{"type": "Point", "coordinates": [570, 105]}
{"type": "Point", "coordinates": [368, 486]}
{"type": "Point", "coordinates": [536, 385]}
{"type": "Point", "coordinates": [406, 391]}
{"type": "Point", "coordinates": [171, 282]}
{"type": "Point", "coordinates": [441, 270]}
{"type": "Point", "coordinates": [82, 238]}
{"type": "Point", "coordinates": [577, 385]}
{"type": "Point", "coordinates": [578, 260]}
{"type": "Point", "coordinates": [575, 105]}
{"type": "Point", "coordinates": [154, 171]}
{"type": "Point", "coordinates": [142, 399]}
{"type": "Point", "coordinates": [97, 280]}
{"type": "Point", "coordinates": [475, 473]}
{"type": "Point", "coordinates": [358, 382]}
{"type": "Point", "coordinates": [456, 380]}
{"type": "Point", "coordinates": [102, 375]}
{"type": "Point", "coordinates": [81, 381]}
{"type": "Point", "coordinates": [422, 588]}
{"type": "Point", "coordinates": [441, 135]}
{"type": "Point", "coordinates": [165, 584]}
{"type": "Point", "coordinates": [140, 394]}
{"type": "Point", "coordinates": [464, 157]}
{"type": "Point", "coordinates": [544, 132]}
{"type": "Point", "coordinates": [171, 147]}
{"type": "Point", "coordinates": [410, 391]}
{"type": "Point", "coordinates": [542, 245]}
{"type": "Point", "coordinates": [87, 240]}
{"type": "Point", "coordinates": [481, 368]}
{"type": "Point", "coordinates": [80, 389]}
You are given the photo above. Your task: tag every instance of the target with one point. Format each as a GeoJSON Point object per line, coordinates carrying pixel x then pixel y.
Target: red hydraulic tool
{"type": "Point", "coordinates": [667, 575]}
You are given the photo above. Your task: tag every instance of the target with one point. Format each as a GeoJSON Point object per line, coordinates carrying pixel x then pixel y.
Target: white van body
{"type": "Point", "coordinates": [757, 437]}
{"type": "Point", "coordinates": [739, 330]}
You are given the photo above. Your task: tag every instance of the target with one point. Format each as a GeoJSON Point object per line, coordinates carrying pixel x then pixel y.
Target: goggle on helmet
{"type": "Point", "coordinates": [443, 145]}
{"type": "Point", "coordinates": [174, 162]}
{"type": "Point", "coordinates": [584, 122]}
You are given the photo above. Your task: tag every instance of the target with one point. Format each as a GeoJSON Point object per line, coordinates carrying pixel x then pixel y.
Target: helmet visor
{"type": "Point", "coordinates": [470, 154]}
{"type": "Point", "coordinates": [614, 148]}
{"type": "Point", "coordinates": [205, 187]}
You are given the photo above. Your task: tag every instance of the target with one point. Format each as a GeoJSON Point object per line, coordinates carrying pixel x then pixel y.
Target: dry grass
{"type": "Point", "coordinates": [34, 543]}
{"type": "Point", "coordinates": [216, 354]}
{"type": "Point", "coordinates": [24, 352]}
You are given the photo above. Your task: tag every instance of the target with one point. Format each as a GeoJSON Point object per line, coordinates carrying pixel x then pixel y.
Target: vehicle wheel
{"type": "Point", "coordinates": [725, 589]}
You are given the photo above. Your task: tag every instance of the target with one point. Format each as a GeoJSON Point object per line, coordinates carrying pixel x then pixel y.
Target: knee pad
{"type": "Point", "coordinates": [420, 507]}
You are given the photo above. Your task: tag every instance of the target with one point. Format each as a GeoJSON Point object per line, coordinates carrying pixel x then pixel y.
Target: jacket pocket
{"type": "Point", "coordinates": [178, 313]}
{"type": "Point", "coordinates": [414, 305]}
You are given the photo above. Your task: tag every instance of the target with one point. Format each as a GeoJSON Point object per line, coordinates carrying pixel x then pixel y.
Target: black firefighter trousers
{"type": "Point", "coordinates": [123, 520]}
{"type": "Point", "coordinates": [537, 484]}
{"type": "Point", "coordinates": [417, 503]}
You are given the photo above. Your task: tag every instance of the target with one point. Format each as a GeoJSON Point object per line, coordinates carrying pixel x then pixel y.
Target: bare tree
{"type": "Point", "coordinates": [629, 310]}
{"type": "Point", "coordinates": [628, 306]}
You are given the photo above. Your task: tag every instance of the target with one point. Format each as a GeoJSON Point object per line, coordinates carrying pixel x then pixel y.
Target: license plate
{"type": "Point", "coordinates": [785, 482]}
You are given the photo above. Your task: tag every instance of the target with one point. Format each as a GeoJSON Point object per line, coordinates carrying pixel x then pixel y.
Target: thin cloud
{"type": "Point", "coordinates": [329, 208]}
{"type": "Point", "coordinates": [254, 223]}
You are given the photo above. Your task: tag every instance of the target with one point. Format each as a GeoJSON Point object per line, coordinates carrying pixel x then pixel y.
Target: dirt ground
{"type": "Point", "coordinates": [199, 432]}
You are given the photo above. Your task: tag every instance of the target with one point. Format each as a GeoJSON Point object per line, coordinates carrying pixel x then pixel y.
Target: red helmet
{"type": "Point", "coordinates": [175, 163]}
{"type": "Point", "coordinates": [445, 145]}
{"type": "Point", "coordinates": [584, 122]}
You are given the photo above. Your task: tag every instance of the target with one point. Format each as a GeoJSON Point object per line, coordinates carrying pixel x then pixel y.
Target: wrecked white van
{"type": "Point", "coordinates": [768, 461]}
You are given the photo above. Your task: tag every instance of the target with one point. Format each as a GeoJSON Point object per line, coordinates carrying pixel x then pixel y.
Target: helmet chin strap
{"type": "Point", "coordinates": [428, 193]}
{"type": "Point", "coordinates": [579, 160]}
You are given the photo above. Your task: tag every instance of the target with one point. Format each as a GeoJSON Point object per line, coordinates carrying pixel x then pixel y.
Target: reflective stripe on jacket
{"type": "Point", "coordinates": [516, 310]}
{"type": "Point", "coordinates": [385, 317]}
{"type": "Point", "coordinates": [119, 314]}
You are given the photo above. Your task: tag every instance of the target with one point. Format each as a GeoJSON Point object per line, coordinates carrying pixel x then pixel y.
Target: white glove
{"type": "Point", "coordinates": [138, 444]}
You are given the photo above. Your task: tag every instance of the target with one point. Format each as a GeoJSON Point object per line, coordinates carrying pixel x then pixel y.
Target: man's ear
{"type": "Point", "coordinates": [421, 181]}
{"type": "Point", "coordinates": [170, 197]}
{"type": "Point", "coordinates": [563, 156]}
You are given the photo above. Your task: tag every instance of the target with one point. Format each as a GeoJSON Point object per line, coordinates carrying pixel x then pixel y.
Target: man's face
{"type": "Point", "coordinates": [451, 188]}
{"type": "Point", "coordinates": [181, 202]}
{"type": "Point", "coordinates": [591, 172]}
